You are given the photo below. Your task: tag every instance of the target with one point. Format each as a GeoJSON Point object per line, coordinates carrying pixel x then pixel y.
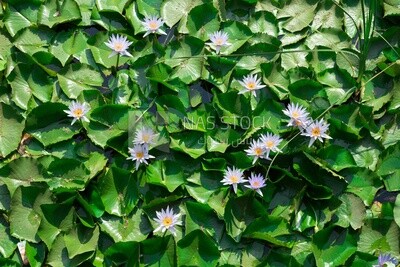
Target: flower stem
{"type": "Point", "coordinates": [58, 8]}
{"type": "Point", "coordinates": [114, 69]}
{"type": "Point", "coordinates": [116, 65]}
{"type": "Point", "coordinates": [227, 193]}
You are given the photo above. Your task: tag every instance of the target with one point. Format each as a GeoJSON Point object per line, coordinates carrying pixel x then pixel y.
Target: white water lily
{"type": "Point", "coordinates": [21, 245]}
{"type": "Point", "coordinates": [119, 45]}
{"type": "Point", "coordinates": [153, 24]}
{"type": "Point", "coordinates": [256, 182]}
{"type": "Point", "coordinates": [167, 220]}
{"type": "Point", "coordinates": [144, 135]}
{"type": "Point", "coordinates": [317, 130]}
{"type": "Point", "coordinates": [256, 150]}
{"type": "Point", "coordinates": [298, 115]}
{"type": "Point", "coordinates": [251, 83]}
{"type": "Point", "coordinates": [78, 111]}
{"type": "Point", "coordinates": [218, 40]}
{"type": "Point", "coordinates": [233, 177]}
{"type": "Point", "coordinates": [140, 154]}
{"type": "Point", "coordinates": [270, 142]}
{"type": "Point", "coordinates": [386, 260]}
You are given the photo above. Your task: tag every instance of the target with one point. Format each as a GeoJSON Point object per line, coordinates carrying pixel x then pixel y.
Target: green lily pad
{"type": "Point", "coordinates": [50, 14]}
{"type": "Point", "coordinates": [118, 191]}
{"type": "Point", "coordinates": [48, 124]}
{"type": "Point", "coordinates": [11, 127]}
{"type": "Point", "coordinates": [199, 249]}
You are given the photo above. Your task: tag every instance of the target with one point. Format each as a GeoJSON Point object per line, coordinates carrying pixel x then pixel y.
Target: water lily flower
{"type": "Point", "coordinates": [386, 260]}
{"type": "Point", "coordinates": [153, 24]}
{"type": "Point", "coordinates": [256, 182]}
{"type": "Point", "coordinates": [317, 130]}
{"type": "Point", "coordinates": [21, 245]}
{"type": "Point", "coordinates": [233, 177]}
{"type": "Point", "coordinates": [298, 116]}
{"type": "Point", "coordinates": [140, 154]}
{"type": "Point", "coordinates": [256, 149]}
{"type": "Point", "coordinates": [119, 45]}
{"type": "Point", "coordinates": [144, 136]}
{"type": "Point", "coordinates": [218, 40]}
{"type": "Point", "coordinates": [251, 83]}
{"type": "Point", "coordinates": [270, 142]}
{"type": "Point", "coordinates": [78, 111]}
{"type": "Point", "coordinates": [167, 220]}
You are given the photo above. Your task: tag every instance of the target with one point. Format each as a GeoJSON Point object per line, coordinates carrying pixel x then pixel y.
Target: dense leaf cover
{"type": "Point", "coordinates": [79, 192]}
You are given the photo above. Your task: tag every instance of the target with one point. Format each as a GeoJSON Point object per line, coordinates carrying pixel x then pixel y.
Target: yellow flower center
{"type": "Point", "coordinates": [139, 155]}
{"type": "Point", "coordinates": [258, 151]}
{"type": "Point", "coordinates": [269, 144]}
{"type": "Point", "coordinates": [295, 114]}
{"type": "Point", "coordinates": [256, 184]}
{"type": "Point", "coordinates": [234, 179]}
{"type": "Point", "coordinates": [219, 41]}
{"type": "Point", "coordinates": [167, 221]}
{"type": "Point", "coordinates": [78, 112]}
{"type": "Point", "coordinates": [118, 47]}
{"type": "Point", "coordinates": [251, 85]}
{"type": "Point", "coordinates": [316, 131]}
{"type": "Point", "coordinates": [153, 25]}
{"type": "Point", "coordinates": [146, 138]}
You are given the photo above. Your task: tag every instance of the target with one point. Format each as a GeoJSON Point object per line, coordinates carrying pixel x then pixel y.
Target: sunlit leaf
{"type": "Point", "coordinates": [165, 173]}
{"type": "Point", "coordinates": [78, 77]}
{"type": "Point", "coordinates": [173, 11]}
{"type": "Point", "coordinates": [11, 127]}
{"type": "Point", "coordinates": [7, 242]}
{"type": "Point", "coordinates": [334, 246]}
{"type": "Point", "coordinates": [197, 248]}
{"type": "Point", "coordinates": [81, 240]}
{"type": "Point", "coordinates": [351, 212]}
{"type": "Point", "coordinates": [24, 217]}
{"type": "Point", "coordinates": [239, 213]}
{"type": "Point", "coordinates": [53, 13]}
{"type": "Point", "coordinates": [299, 15]}
{"type": "Point", "coordinates": [135, 227]}
{"type": "Point", "coordinates": [49, 125]}
{"type": "Point", "coordinates": [32, 40]}
{"type": "Point", "coordinates": [118, 191]}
